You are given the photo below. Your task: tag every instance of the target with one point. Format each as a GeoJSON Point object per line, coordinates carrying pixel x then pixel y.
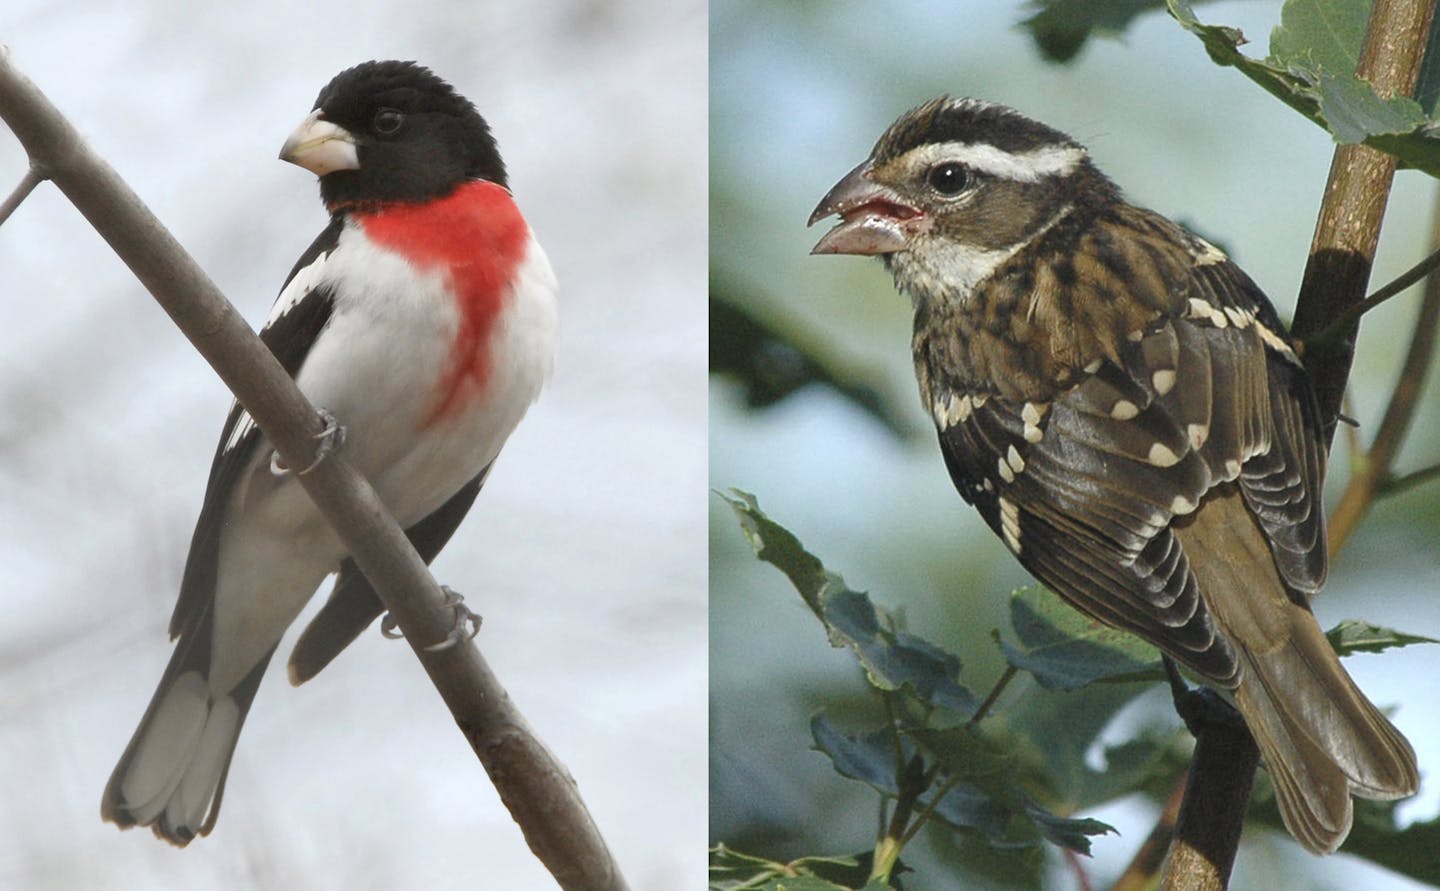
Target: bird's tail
{"type": "Point", "coordinates": [172, 775]}
{"type": "Point", "coordinates": [1320, 738]}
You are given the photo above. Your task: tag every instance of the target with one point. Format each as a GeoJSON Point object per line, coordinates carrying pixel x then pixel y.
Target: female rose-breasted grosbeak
{"type": "Point", "coordinates": [1119, 401]}
{"type": "Point", "coordinates": [423, 319]}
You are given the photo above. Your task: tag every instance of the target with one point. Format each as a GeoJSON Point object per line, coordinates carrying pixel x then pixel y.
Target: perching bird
{"type": "Point", "coordinates": [1120, 402]}
{"type": "Point", "coordinates": [423, 319]}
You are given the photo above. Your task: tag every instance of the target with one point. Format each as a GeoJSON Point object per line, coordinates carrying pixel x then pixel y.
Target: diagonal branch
{"type": "Point", "coordinates": [537, 789]}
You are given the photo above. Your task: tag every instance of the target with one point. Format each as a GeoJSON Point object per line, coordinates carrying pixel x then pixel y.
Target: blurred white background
{"type": "Point", "coordinates": [800, 92]}
{"type": "Point", "coordinates": [585, 553]}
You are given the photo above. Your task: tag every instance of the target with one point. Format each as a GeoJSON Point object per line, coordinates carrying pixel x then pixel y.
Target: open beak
{"type": "Point", "coordinates": [873, 218]}
{"type": "Point", "coordinates": [320, 146]}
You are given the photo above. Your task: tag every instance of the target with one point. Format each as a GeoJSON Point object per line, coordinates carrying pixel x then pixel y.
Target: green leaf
{"type": "Point", "coordinates": [1060, 28]}
{"type": "Point", "coordinates": [1066, 650]}
{"type": "Point", "coordinates": [1361, 637]}
{"type": "Point", "coordinates": [1353, 111]}
{"type": "Point", "coordinates": [892, 659]}
{"type": "Point", "coordinates": [991, 794]}
{"type": "Point", "coordinates": [868, 757]}
{"type": "Point", "coordinates": [1321, 33]}
{"type": "Point", "coordinates": [1067, 832]}
{"type": "Point", "coordinates": [1311, 68]}
{"type": "Point", "coordinates": [775, 545]}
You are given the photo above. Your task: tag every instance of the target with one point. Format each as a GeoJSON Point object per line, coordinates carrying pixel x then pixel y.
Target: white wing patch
{"type": "Point", "coordinates": [243, 425]}
{"type": "Point", "coordinates": [300, 285]}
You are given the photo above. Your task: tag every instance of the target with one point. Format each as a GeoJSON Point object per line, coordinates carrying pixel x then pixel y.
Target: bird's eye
{"type": "Point", "coordinates": [387, 121]}
{"type": "Point", "coordinates": [949, 178]}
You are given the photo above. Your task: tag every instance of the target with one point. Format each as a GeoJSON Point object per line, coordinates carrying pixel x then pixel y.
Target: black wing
{"type": "Point", "coordinates": [1084, 489]}
{"type": "Point", "coordinates": [294, 324]}
{"type": "Point", "coordinates": [353, 603]}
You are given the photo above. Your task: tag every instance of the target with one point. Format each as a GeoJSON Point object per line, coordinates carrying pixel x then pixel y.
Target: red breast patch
{"type": "Point", "coordinates": [476, 234]}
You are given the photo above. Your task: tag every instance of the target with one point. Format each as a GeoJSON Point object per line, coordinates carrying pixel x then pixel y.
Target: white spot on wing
{"type": "Point", "coordinates": [243, 425]}
{"type": "Point", "coordinates": [952, 411]}
{"type": "Point", "coordinates": [1124, 410]}
{"type": "Point", "coordinates": [1164, 380]}
{"type": "Point", "coordinates": [1010, 523]}
{"type": "Point", "coordinates": [1161, 456]}
{"type": "Point", "coordinates": [1276, 342]}
{"type": "Point", "coordinates": [304, 281]}
{"type": "Point", "coordinates": [1032, 414]}
{"type": "Point", "coordinates": [1181, 506]}
{"type": "Point", "coordinates": [1209, 254]}
{"type": "Point", "coordinates": [1012, 457]}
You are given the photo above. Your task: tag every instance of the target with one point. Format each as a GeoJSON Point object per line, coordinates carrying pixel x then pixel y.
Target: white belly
{"type": "Point", "coordinates": [376, 368]}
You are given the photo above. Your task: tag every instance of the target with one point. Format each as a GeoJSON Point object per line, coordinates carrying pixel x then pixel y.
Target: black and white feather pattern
{"type": "Point", "coordinates": [1084, 488]}
{"type": "Point", "coordinates": [300, 313]}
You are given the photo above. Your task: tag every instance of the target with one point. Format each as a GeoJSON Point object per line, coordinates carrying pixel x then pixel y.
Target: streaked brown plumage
{"type": "Point", "coordinates": [1119, 401]}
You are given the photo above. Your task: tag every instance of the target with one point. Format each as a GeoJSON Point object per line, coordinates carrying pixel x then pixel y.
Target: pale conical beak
{"type": "Point", "coordinates": [320, 146]}
{"type": "Point", "coordinates": [874, 219]}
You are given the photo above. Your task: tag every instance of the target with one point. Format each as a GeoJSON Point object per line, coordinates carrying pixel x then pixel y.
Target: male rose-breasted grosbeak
{"type": "Point", "coordinates": [1120, 402]}
{"type": "Point", "coordinates": [423, 319]}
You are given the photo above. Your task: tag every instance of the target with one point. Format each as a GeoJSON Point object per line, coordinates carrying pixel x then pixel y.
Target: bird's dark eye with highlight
{"type": "Point", "coordinates": [387, 121]}
{"type": "Point", "coordinates": [949, 178]}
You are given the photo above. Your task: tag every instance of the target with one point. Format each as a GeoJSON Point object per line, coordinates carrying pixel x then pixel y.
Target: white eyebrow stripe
{"type": "Point", "coordinates": [1025, 167]}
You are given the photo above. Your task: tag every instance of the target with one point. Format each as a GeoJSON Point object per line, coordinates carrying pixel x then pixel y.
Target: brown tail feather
{"type": "Point", "coordinates": [1320, 738]}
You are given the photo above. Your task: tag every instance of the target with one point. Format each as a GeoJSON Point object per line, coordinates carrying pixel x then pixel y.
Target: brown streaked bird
{"type": "Point", "coordinates": [1120, 402]}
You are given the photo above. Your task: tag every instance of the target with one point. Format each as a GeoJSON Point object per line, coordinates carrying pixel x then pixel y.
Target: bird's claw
{"type": "Point", "coordinates": [467, 623]}
{"type": "Point", "coordinates": [331, 438]}
{"type": "Point", "coordinates": [1199, 707]}
{"type": "Point", "coordinates": [465, 618]}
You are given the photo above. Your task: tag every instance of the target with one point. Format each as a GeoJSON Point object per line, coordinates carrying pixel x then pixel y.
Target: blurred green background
{"type": "Point", "coordinates": [799, 92]}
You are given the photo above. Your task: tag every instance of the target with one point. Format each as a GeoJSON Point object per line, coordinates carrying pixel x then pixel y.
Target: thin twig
{"type": "Point", "coordinates": [995, 691]}
{"type": "Point", "coordinates": [928, 810]}
{"type": "Point", "coordinates": [32, 178]}
{"type": "Point", "coordinates": [1370, 474]}
{"type": "Point", "coordinates": [1396, 484]}
{"type": "Point", "coordinates": [1397, 286]}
